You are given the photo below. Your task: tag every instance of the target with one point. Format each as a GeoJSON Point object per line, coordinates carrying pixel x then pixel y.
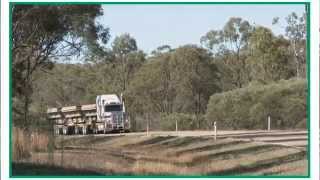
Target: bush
{"type": "Point", "coordinates": [249, 107]}
{"type": "Point", "coordinates": [185, 121]}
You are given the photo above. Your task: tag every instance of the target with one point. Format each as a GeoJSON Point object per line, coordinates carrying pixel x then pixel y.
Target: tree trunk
{"type": "Point", "coordinates": [26, 111]}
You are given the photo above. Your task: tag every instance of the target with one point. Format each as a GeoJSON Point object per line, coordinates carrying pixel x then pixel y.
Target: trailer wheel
{"type": "Point", "coordinates": [65, 131]}
{"type": "Point", "coordinates": [56, 131]}
{"type": "Point", "coordinates": [84, 130]}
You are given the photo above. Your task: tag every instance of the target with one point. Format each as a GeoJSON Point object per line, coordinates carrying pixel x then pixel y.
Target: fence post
{"type": "Point", "coordinates": [215, 130]}
{"type": "Point", "coordinates": [269, 123]}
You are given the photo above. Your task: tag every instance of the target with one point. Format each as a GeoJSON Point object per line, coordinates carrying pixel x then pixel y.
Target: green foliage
{"type": "Point", "coordinates": [246, 53]}
{"type": "Point", "coordinates": [161, 49]}
{"type": "Point", "coordinates": [42, 34]}
{"type": "Point", "coordinates": [180, 80]}
{"type": "Point", "coordinates": [124, 47]}
{"type": "Point", "coordinates": [270, 59]}
{"type": "Point", "coordinates": [232, 43]}
{"type": "Point", "coordinates": [124, 44]}
{"type": "Point", "coordinates": [296, 32]}
{"type": "Point", "coordinates": [249, 107]}
{"type": "Point", "coordinates": [184, 121]}
{"type": "Point", "coordinates": [187, 70]}
{"type": "Point", "coordinates": [247, 65]}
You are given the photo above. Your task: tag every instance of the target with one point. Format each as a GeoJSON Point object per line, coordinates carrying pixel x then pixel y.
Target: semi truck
{"type": "Point", "coordinates": [108, 114]}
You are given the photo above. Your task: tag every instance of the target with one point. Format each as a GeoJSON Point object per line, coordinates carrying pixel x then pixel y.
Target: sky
{"type": "Point", "coordinates": [176, 25]}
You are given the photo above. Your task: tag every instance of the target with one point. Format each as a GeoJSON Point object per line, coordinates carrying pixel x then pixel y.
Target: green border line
{"type": "Point", "coordinates": [308, 9]}
{"type": "Point", "coordinates": [10, 89]}
{"type": "Point", "coordinates": [307, 4]}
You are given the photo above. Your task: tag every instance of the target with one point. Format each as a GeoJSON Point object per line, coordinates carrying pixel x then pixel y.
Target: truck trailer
{"type": "Point", "coordinates": [106, 115]}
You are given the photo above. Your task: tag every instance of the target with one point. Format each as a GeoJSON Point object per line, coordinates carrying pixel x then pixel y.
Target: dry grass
{"type": "Point", "coordinates": [158, 168]}
{"type": "Point", "coordinates": [25, 143]}
{"type": "Point", "coordinates": [21, 146]}
{"type": "Point", "coordinates": [39, 141]}
{"type": "Point", "coordinates": [148, 155]}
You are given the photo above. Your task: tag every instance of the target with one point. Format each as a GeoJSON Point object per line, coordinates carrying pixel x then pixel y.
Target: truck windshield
{"type": "Point", "coordinates": [110, 108]}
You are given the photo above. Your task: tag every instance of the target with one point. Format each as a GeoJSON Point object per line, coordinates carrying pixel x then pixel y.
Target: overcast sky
{"type": "Point", "coordinates": [176, 25]}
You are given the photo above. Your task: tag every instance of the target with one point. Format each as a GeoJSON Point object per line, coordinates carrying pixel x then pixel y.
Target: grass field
{"type": "Point", "coordinates": [170, 155]}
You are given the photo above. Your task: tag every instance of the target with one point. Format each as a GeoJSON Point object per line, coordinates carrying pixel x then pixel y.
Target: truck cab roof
{"type": "Point", "coordinates": [109, 99]}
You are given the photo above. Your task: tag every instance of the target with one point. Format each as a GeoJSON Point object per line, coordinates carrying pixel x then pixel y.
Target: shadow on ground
{"type": "Point", "coordinates": [30, 169]}
{"type": "Point", "coordinates": [261, 164]}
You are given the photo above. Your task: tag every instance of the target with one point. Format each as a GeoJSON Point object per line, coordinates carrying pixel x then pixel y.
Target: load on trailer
{"type": "Point", "coordinates": [108, 114]}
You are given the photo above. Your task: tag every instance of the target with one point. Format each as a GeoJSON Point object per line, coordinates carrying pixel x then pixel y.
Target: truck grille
{"type": "Point", "coordinates": [117, 121]}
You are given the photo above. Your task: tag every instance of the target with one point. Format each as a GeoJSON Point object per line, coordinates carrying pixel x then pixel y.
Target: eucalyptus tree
{"type": "Point", "coordinates": [269, 59]}
{"type": "Point", "coordinates": [233, 37]}
{"type": "Point", "coordinates": [161, 50]}
{"type": "Point", "coordinates": [181, 80]}
{"type": "Point", "coordinates": [196, 79]}
{"type": "Point", "coordinates": [44, 34]}
{"type": "Point", "coordinates": [296, 32]}
{"type": "Point", "coordinates": [125, 47]}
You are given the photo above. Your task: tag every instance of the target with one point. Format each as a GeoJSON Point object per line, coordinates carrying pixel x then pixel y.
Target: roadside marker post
{"type": "Point", "coordinates": [269, 123]}
{"type": "Point", "coordinates": [148, 127]}
{"type": "Point", "coordinates": [215, 130]}
{"type": "Point", "coordinates": [148, 122]}
{"type": "Point", "coordinates": [176, 125]}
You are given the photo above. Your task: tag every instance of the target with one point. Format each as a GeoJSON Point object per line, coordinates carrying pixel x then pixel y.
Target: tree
{"type": "Point", "coordinates": [152, 84]}
{"type": "Point", "coordinates": [296, 32]}
{"type": "Point", "coordinates": [43, 34]}
{"type": "Point", "coordinates": [234, 37]}
{"type": "Point", "coordinates": [110, 76]}
{"type": "Point", "coordinates": [269, 59]}
{"type": "Point", "coordinates": [180, 80]}
{"type": "Point", "coordinates": [122, 46]}
{"type": "Point", "coordinates": [143, 95]}
{"type": "Point", "coordinates": [161, 49]}
{"type": "Point", "coordinates": [196, 79]}
{"type": "Point", "coordinates": [212, 40]}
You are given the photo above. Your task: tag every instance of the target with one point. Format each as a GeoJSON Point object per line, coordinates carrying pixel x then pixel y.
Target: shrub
{"type": "Point", "coordinates": [185, 121]}
{"type": "Point", "coordinates": [249, 107]}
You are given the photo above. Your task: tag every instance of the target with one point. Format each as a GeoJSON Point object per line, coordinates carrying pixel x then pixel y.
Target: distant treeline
{"type": "Point", "coordinates": [238, 76]}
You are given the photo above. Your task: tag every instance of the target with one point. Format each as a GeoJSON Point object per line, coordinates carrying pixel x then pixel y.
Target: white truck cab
{"type": "Point", "coordinates": [110, 113]}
